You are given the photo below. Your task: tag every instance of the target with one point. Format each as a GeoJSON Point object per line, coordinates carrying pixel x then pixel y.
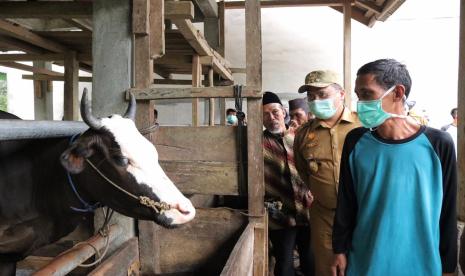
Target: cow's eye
{"type": "Point", "coordinates": [122, 161]}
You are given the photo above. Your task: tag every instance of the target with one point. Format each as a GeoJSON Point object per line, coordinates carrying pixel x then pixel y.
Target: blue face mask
{"type": "Point", "coordinates": [371, 113]}
{"type": "Point", "coordinates": [322, 109]}
{"type": "Point", "coordinates": [231, 119]}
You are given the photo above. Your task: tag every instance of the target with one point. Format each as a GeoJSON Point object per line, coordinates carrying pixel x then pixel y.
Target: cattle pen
{"type": "Point", "coordinates": [146, 43]}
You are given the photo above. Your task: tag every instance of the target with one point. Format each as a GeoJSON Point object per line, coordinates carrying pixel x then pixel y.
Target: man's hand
{"type": "Point", "coordinates": [339, 265]}
{"type": "Point", "coordinates": [308, 199]}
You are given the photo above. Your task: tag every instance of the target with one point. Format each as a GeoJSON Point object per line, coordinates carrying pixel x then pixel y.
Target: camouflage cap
{"type": "Point", "coordinates": [319, 78]}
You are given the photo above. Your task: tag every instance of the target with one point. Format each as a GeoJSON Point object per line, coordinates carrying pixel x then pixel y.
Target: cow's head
{"type": "Point", "coordinates": [118, 150]}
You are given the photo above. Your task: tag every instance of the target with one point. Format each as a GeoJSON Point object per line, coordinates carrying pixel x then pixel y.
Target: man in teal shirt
{"type": "Point", "coordinates": [396, 209]}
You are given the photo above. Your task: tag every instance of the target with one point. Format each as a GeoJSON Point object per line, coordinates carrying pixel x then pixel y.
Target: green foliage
{"type": "Point", "coordinates": [3, 92]}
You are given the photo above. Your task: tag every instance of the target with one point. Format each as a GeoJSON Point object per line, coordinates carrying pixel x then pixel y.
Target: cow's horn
{"type": "Point", "coordinates": [86, 113]}
{"type": "Point", "coordinates": [131, 111]}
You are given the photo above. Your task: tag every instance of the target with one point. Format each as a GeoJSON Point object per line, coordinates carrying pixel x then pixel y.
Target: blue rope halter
{"type": "Point", "coordinates": [88, 208]}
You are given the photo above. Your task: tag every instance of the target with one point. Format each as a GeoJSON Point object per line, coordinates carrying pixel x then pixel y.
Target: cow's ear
{"type": "Point", "coordinates": [73, 158]}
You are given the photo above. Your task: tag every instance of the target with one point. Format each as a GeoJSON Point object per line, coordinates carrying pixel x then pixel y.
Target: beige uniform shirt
{"type": "Point", "coordinates": [317, 153]}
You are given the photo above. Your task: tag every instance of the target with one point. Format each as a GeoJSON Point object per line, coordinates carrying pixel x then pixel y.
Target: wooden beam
{"type": "Point", "coordinates": [284, 3]}
{"type": "Point", "coordinates": [179, 10]}
{"type": "Point", "coordinates": [371, 6]}
{"type": "Point", "coordinates": [42, 77]}
{"type": "Point", "coordinates": [196, 82]}
{"type": "Point", "coordinates": [203, 177]}
{"type": "Point", "coordinates": [40, 57]}
{"type": "Point", "coordinates": [24, 34]}
{"type": "Point", "coordinates": [29, 68]}
{"type": "Point", "coordinates": [31, 57]}
{"type": "Point", "coordinates": [159, 93]}
{"type": "Point", "coordinates": [221, 37]}
{"type": "Point", "coordinates": [461, 118]}
{"type": "Point", "coordinates": [71, 88]}
{"type": "Point", "coordinates": [356, 15]}
{"type": "Point", "coordinates": [347, 53]}
{"type": "Point", "coordinates": [83, 23]}
{"type": "Point", "coordinates": [255, 174]}
{"type": "Point", "coordinates": [140, 17]}
{"type": "Point", "coordinates": [55, 9]}
{"type": "Point", "coordinates": [211, 105]}
{"type": "Point", "coordinates": [209, 8]}
{"type": "Point", "coordinates": [157, 28]}
{"type": "Point", "coordinates": [193, 37]}
{"type": "Point", "coordinates": [19, 45]}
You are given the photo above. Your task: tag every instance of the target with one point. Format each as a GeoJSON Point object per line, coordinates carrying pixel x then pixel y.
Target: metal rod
{"type": "Point", "coordinates": [65, 263]}
{"type": "Point", "coordinates": [23, 129]}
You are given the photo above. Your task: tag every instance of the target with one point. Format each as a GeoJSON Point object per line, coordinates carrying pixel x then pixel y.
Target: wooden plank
{"type": "Point", "coordinates": [223, 111]}
{"type": "Point", "coordinates": [196, 82]}
{"type": "Point", "coordinates": [193, 36]}
{"type": "Point", "coordinates": [221, 37]}
{"type": "Point", "coordinates": [14, 44]}
{"type": "Point", "coordinates": [357, 15]}
{"type": "Point", "coordinates": [42, 77]}
{"type": "Point", "coordinates": [159, 93]}
{"type": "Point", "coordinates": [201, 246]}
{"type": "Point", "coordinates": [157, 28]}
{"type": "Point", "coordinates": [140, 17]}
{"type": "Point", "coordinates": [179, 10]}
{"type": "Point", "coordinates": [284, 3]}
{"type": "Point", "coordinates": [347, 53]}
{"type": "Point", "coordinates": [209, 8]}
{"type": "Point", "coordinates": [24, 34]}
{"type": "Point", "coordinates": [40, 57]}
{"type": "Point", "coordinates": [31, 57]}
{"type": "Point", "coordinates": [240, 261]}
{"type": "Point", "coordinates": [147, 47]}
{"type": "Point", "coordinates": [149, 250]}
{"type": "Point", "coordinates": [371, 6]}
{"type": "Point", "coordinates": [195, 143]}
{"type": "Point", "coordinates": [83, 23]}
{"type": "Point", "coordinates": [71, 92]}
{"type": "Point", "coordinates": [29, 68]}
{"type": "Point", "coordinates": [203, 177]}
{"type": "Point", "coordinates": [461, 118]}
{"type": "Point", "coordinates": [58, 9]}
{"type": "Point", "coordinates": [124, 260]}
{"type": "Point", "coordinates": [211, 105]}
{"type": "Point", "coordinates": [256, 187]}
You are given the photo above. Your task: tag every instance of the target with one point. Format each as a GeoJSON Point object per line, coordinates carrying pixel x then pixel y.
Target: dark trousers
{"type": "Point", "coordinates": [284, 241]}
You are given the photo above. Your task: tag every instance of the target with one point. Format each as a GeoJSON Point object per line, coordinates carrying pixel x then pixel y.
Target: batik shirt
{"type": "Point", "coordinates": [282, 181]}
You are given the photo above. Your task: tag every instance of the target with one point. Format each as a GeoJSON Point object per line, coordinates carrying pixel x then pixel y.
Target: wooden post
{"type": "Point", "coordinates": [256, 188]}
{"type": "Point", "coordinates": [212, 100]}
{"type": "Point", "coordinates": [149, 28]}
{"type": "Point", "coordinates": [461, 118]}
{"type": "Point", "coordinates": [43, 94]}
{"type": "Point", "coordinates": [196, 82]}
{"type": "Point", "coordinates": [221, 27]}
{"type": "Point", "coordinates": [347, 52]}
{"type": "Point", "coordinates": [71, 93]}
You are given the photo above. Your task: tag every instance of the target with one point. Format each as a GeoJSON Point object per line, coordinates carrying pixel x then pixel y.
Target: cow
{"type": "Point", "coordinates": [48, 185]}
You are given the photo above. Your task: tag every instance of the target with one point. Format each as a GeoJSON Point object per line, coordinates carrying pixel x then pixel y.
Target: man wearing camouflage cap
{"type": "Point", "coordinates": [318, 148]}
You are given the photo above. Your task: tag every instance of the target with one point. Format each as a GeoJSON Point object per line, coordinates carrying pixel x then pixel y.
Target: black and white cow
{"type": "Point", "coordinates": [37, 202]}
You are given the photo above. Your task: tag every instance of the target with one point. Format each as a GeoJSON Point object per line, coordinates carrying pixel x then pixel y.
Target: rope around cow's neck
{"type": "Point", "coordinates": [158, 206]}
